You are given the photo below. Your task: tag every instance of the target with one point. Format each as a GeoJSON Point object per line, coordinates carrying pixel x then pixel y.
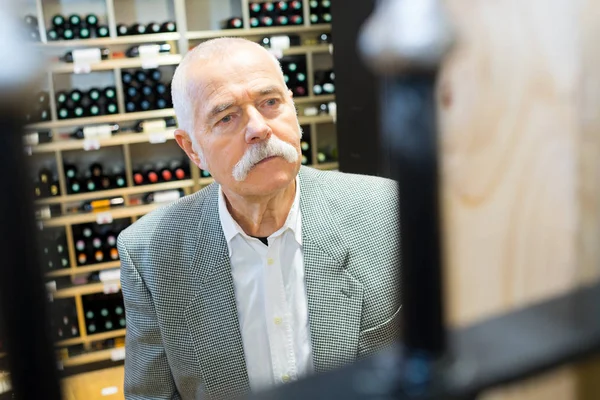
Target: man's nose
{"type": "Point", "coordinates": [257, 128]}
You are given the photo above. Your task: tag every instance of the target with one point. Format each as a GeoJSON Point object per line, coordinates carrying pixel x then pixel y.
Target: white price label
{"type": "Point", "coordinates": [154, 125]}
{"type": "Point", "coordinates": [91, 144]}
{"type": "Point", "coordinates": [32, 139]}
{"type": "Point", "coordinates": [51, 286]}
{"type": "Point", "coordinates": [280, 42]}
{"type": "Point", "coordinates": [149, 55]}
{"type": "Point", "coordinates": [82, 68]}
{"type": "Point", "coordinates": [104, 218]}
{"type": "Point", "coordinates": [109, 391]}
{"type": "Point", "coordinates": [111, 287]}
{"type": "Point", "coordinates": [157, 137]}
{"type": "Point", "coordinates": [310, 111]}
{"type": "Point", "coordinates": [110, 275]}
{"type": "Point", "coordinates": [118, 354]}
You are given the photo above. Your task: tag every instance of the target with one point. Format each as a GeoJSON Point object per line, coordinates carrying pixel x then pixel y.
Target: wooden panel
{"type": "Point", "coordinates": [89, 386]}
{"type": "Point", "coordinates": [519, 100]}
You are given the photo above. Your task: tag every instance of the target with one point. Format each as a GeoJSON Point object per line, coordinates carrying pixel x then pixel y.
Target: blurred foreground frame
{"type": "Point", "coordinates": [519, 158]}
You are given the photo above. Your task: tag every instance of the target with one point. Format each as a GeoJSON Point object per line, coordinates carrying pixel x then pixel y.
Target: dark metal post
{"type": "Point", "coordinates": [22, 294]}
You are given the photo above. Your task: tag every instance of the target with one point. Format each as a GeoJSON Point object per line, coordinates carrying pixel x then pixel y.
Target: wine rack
{"type": "Point", "coordinates": [97, 169]}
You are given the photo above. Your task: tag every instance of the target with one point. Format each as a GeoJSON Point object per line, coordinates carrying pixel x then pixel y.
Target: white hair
{"type": "Point", "coordinates": [183, 89]}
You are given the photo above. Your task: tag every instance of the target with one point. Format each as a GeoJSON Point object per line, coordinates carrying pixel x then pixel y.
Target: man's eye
{"type": "Point", "coordinates": [226, 119]}
{"type": "Point", "coordinates": [272, 102]}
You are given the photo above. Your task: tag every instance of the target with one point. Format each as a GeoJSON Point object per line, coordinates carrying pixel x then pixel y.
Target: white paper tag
{"type": "Point", "coordinates": [110, 275]}
{"type": "Point", "coordinates": [155, 125]}
{"type": "Point", "coordinates": [166, 196]}
{"type": "Point", "coordinates": [332, 106]}
{"type": "Point", "coordinates": [310, 111]}
{"type": "Point", "coordinates": [280, 42]}
{"type": "Point", "coordinates": [149, 55]}
{"type": "Point", "coordinates": [330, 48]}
{"type": "Point", "coordinates": [98, 131]}
{"type": "Point", "coordinates": [111, 287]}
{"type": "Point", "coordinates": [31, 139]}
{"type": "Point", "coordinates": [108, 391]}
{"type": "Point", "coordinates": [157, 137]}
{"type": "Point", "coordinates": [60, 366]}
{"type": "Point", "coordinates": [91, 144]}
{"type": "Point", "coordinates": [28, 150]}
{"type": "Point", "coordinates": [51, 289]}
{"type": "Point", "coordinates": [104, 218]}
{"type": "Point", "coordinates": [117, 354]}
{"type": "Point", "coordinates": [82, 68]}
{"type": "Point", "coordinates": [84, 58]}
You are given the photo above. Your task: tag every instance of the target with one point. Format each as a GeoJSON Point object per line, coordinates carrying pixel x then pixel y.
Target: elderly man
{"type": "Point", "coordinates": [273, 272]}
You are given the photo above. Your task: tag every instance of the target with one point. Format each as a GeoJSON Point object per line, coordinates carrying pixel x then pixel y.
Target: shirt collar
{"type": "Point", "coordinates": [293, 221]}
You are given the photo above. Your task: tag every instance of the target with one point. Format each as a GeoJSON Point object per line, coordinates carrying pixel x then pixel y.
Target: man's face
{"type": "Point", "coordinates": [242, 103]}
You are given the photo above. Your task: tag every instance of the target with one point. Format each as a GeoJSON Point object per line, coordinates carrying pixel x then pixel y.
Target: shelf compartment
{"type": "Point", "coordinates": [194, 35]}
{"type": "Point", "coordinates": [103, 119]}
{"type": "Point", "coordinates": [104, 42]}
{"type": "Point", "coordinates": [84, 270]}
{"type": "Point", "coordinates": [91, 338]}
{"type": "Point", "coordinates": [68, 68]}
{"type": "Point", "coordinates": [117, 213]}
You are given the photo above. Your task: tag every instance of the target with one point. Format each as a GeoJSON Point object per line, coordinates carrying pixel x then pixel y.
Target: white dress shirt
{"type": "Point", "coordinates": [271, 300]}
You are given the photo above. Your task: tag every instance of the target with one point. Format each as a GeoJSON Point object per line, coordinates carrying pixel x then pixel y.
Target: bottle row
{"type": "Point", "coordinates": [131, 52]}
{"type": "Point", "coordinates": [54, 253]}
{"type": "Point", "coordinates": [102, 313]}
{"type": "Point", "coordinates": [38, 109]}
{"type": "Point", "coordinates": [81, 103]}
{"type": "Point", "coordinates": [144, 91]}
{"type": "Point", "coordinates": [142, 29]}
{"type": "Point", "coordinates": [320, 11]}
{"type": "Point", "coordinates": [162, 171]}
{"type": "Point", "coordinates": [94, 243]}
{"type": "Point", "coordinates": [324, 82]}
{"type": "Point", "coordinates": [75, 26]}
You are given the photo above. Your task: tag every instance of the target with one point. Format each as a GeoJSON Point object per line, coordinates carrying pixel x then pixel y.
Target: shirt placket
{"type": "Point", "coordinates": [279, 321]}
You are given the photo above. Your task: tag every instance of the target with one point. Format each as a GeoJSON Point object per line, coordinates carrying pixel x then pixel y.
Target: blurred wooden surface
{"type": "Point", "coordinates": [520, 116]}
{"type": "Point", "coordinates": [104, 384]}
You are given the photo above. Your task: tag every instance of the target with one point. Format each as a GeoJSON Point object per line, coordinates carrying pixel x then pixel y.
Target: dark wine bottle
{"type": "Point", "coordinates": [138, 178]}
{"type": "Point", "coordinates": [266, 20]}
{"type": "Point", "coordinates": [110, 93]}
{"type": "Point", "coordinates": [168, 26]}
{"type": "Point", "coordinates": [296, 5]}
{"type": "Point", "coordinates": [255, 8]}
{"type": "Point", "coordinates": [52, 34]}
{"type": "Point", "coordinates": [135, 50]}
{"type": "Point", "coordinates": [151, 174]}
{"type": "Point", "coordinates": [254, 22]}
{"type": "Point", "coordinates": [68, 34]}
{"type": "Point", "coordinates": [145, 105]}
{"type": "Point", "coordinates": [130, 106]}
{"type": "Point", "coordinates": [91, 20]}
{"type": "Point", "coordinates": [140, 76]}
{"type": "Point", "coordinates": [268, 6]}
{"type": "Point", "coordinates": [111, 108]}
{"type": "Point", "coordinates": [233, 23]}
{"type": "Point", "coordinates": [94, 94]}
{"type": "Point", "coordinates": [155, 124]}
{"type": "Point", "coordinates": [68, 57]}
{"type": "Point", "coordinates": [82, 259]}
{"type": "Point", "coordinates": [75, 95]}
{"type": "Point", "coordinates": [164, 172]}
{"type": "Point", "coordinates": [58, 21]}
{"type": "Point", "coordinates": [281, 20]}
{"type": "Point", "coordinates": [75, 186]}
{"type": "Point", "coordinates": [102, 31]}
{"type": "Point", "coordinates": [96, 170]}
{"type": "Point", "coordinates": [122, 30]}
{"type": "Point", "coordinates": [74, 20]}
{"type": "Point", "coordinates": [178, 170]}
{"type": "Point", "coordinates": [63, 113]}
{"type": "Point", "coordinates": [326, 17]}
{"type": "Point", "coordinates": [137, 29]}
{"type": "Point", "coordinates": [78, 111]}
{"type": "Point", "coordinates": [84, 33]}
{"type": "Point", "coordinates": [153, 27]}
{"type": "Point", "coordinates": [147, 91]}
{"type": "Point", "coordinates": [326, 3]}
{"type": "Point", "coordinates": [155, 75]}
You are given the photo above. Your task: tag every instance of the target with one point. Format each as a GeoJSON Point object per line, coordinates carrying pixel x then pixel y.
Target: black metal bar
{"type": "Point", "coordinates": [497, 351]}
{"type": "Point", "coordinates": [408, 116]}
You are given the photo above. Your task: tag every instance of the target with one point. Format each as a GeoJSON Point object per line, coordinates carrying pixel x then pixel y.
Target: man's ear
{"type": "Point", "coordinates": [185, 142]}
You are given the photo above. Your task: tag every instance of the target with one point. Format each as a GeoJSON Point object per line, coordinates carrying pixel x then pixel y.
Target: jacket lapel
{"type": "Point", "coordinates": [335, 297]}
{"type": "Point", "coordinates": [212, 315]}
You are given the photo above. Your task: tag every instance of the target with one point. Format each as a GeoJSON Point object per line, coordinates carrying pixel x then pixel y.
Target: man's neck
{"type": "Point", "coordinates": [264, 215]}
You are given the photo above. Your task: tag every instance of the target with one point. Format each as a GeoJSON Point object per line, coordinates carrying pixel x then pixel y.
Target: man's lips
{"type": "Point", "coordinates": [266, 159]}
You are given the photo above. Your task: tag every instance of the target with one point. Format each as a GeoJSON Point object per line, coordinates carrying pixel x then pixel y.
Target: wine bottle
{"type": "Point", "coordinates": [90, 185]}
{"type": "Point", "coordinates": [140, 76]}
{"type": "Point", "coordinates": [75, 95]}
{"type": "Point", "coordinates": [326, 3]}
{"type": "Point", "coordinates": [119, 181]}
{"type": "Point", "coordinates": [99, 256]}
{"type": "Point", "coordinates": [165, 173]}
{"type": "Point", "coordinates": [68, 34]}
{"type": "Point", "coordinates": [147, 91]}
{"type": "Point", "coordinates": [122, 30]}
{"type": "Point", "coordinates": [254, 22]}
{"type": "Point", "coordinates": [161, 103]}
{"type": "Point", "coordinates": [326, 17]}
{"type": "Point", "coordinates": [323, 108]}
{"type": "Point", "coordinates": [99, 205]}
{"type": "Point", "coordinates": [111, 108]}
{"type": "Point", "coordinates": [299, 91]}
{"type": "Point", "coordinates": [68, 57]}
{"type": "Point", "coordinates": [54, 189]}
{"type": "Point", "coordinates": [255, 8]}
{"type": "Point", "coordinates": [96, 241]}
{"type": "Point", "coordinates": [135, 50]}
{"type": "Point", "coordinates": [63, 113]}
{"type": "Point", "coordinates": [151, 175]}
{"type": "Point", "coordinates": [74, 20]}
{"type": "Point", "coordinates": [324, 38]}
{"type": "Point", "coordinates": [160, 88]}
{"type": "Point", "coordinates": [113, 253]}
{"type": "Point", "coordinates": [126, 77]}
{"type": "Point", "coordinates": [168, 26]}
{"type": "Point", "coordinates": [155, 124]}
{"type": "Point", "coordinates": [110, 238]}
{"type": "Point", "coordinates": [78, 111]}
{"type": "Point", "coordinates": [155, 75]}
{"type": "Point", "coordinates": [177, 170]}
{"type": "Point", "coordinates": [91, 20]}
{"type": "Point", "coordinates": [137, 29]}
{"type": "Point", "coordinates": [266, 20]}
{"type": "Point", "coordinates": [102, 31]}
{"type": "Point", "coordinates": [296, 5]}
{"type": "Point", "coordinates": [328, 87]}
{"type": "Point", "coordinates": [268, 7]}
{"type": "Point", "coordinates": [61, 97]}
{"type": "Point", "coordinates": [281, 20]}
{"type": "Point", "coordinates": [83, 33]}
{"type": "Point", "coordinates": [138, 178]}
{"type": "Point", "coordinates": [82, 259]}
{"type": "Point", "coordinates": [74, 186]}
{"type": "Point", "coordinates": [233, 23]}
{"type": "Point", "coordinates": [80, 245]}
{"type": "Point", "coordinates": [153, 27]}
{"type": "Point", "coordinates": [58, 21]}
{"type": "Point", "coordinates": [130, 106]}
{"type": "Point", "coordinates": [317, 89]}
{"type": "Point", "coordinates": [131, 92]}
{"type": "Point", "coordinates": [314, 18]}
{"type": "Point", "coordinates": [145, 105]}
{"type": "Point", "coordinates": [96, 170]}
{"type": "Point", "coordinates": [53, 34]}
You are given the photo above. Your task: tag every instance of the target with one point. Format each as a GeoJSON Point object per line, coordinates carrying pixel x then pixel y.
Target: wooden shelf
{"type": "Point", "coordinates": [100, 194]}
{"type": "Point", "coordinates": [88, 358]}
{"type": "Point", "coordinates": [84, 270]}
{"type": "Point", "coordinates": [194, 35]}
{"type": "Point", "coordinates": [102, 119]}
{"type": "Point", "coordinates": [326, 166]}
{"type": "Point", "coordinates": [82, 290]}
{"type": "Point", "coordinates": [295, 50]}
{"type": "Point", "coordinates": [116, 140]}
{"type": "Point", "coordinates": [68, 68]}
{"type": "Point", "coordinates": [120, 40]}
{"type": "Point", "coordinates": [314, 99]}
{"type": "Point", "coordinates": [318, 119]}
{"type": "Point", "coordinates": [91, 338]}
{"type": "Point", "coordinates": [123, 212]}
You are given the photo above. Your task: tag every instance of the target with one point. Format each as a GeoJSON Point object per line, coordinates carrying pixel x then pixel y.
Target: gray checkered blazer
{"type": "Point", "coordinates": [183, 337]}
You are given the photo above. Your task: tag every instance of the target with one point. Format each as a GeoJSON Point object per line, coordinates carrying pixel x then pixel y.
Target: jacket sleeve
{"type": "Point", "coordinates": [147, 372]}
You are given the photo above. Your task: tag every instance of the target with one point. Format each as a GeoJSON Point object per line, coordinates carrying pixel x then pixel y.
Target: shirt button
{"type": "Point", "coordinates": [285, 378]}
{"type": "Point", "coordinates": [277, 320]}
{"type": "Point", "coordinates": [270, 261]}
